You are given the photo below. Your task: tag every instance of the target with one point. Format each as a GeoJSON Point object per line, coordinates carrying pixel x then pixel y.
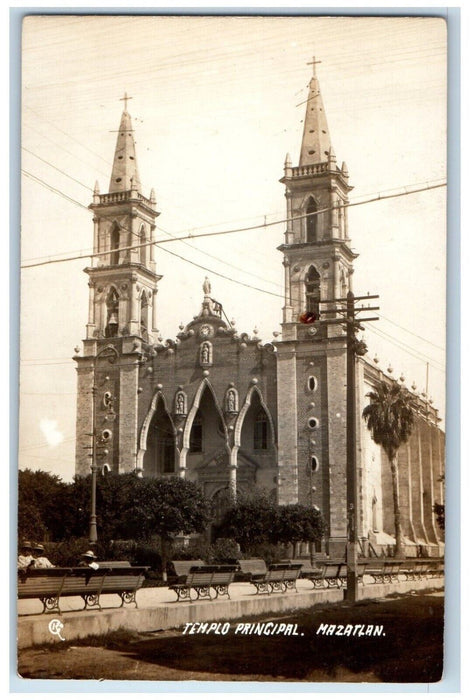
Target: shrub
{"type": "Point", "coordinates": [271, 553]}
{"type": "Point", "coordinates": [146, 554]}
{"type": "Point", "coordinates": [68, 552]}
{"type": "Point", "coordinates": [224, 550]}
{"type": "Point", "coordinates": [196, 549]}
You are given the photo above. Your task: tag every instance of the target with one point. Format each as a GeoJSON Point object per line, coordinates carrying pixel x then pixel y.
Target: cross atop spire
{"type": "Point", "coordinates": [313, 63]}
{"type": "Point", "coordinates": [125, 98]}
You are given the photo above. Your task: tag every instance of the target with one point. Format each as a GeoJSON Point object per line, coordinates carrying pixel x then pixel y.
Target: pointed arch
{"type": "Point", "coordinates": [143, 248]}
{"type": "Point", "coordinates": [312, 290]}
{"type": "Point", "coordinates": [254, 390]}
{"type": "Point", "coordinates": [311, 220]}
{"type": "Point", "coordinates": [112, 312]}
{"type": "Point", "coordinates": [157, 397]}
{"type": "Point", "coordinates": [144, 314]}
{"type": "Point", "coordinates": [203, 386]}
{"type": "Point", "coordinates": [114, 243]}
{"type": "Point", "coordinates": [109, 352]}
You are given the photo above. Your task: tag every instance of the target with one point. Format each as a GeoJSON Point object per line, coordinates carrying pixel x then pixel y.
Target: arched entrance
{"type": "Point", "coordinates": [159, 457]}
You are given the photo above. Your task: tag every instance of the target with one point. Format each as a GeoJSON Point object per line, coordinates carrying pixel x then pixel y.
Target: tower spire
{"type": "Point", "coordinates": [316, 142]}
{"type": "Point", "coordinates": [125, 175]}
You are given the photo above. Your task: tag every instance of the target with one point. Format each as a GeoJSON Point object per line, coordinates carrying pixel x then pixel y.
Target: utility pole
{"type": "Point", "coordinates": [355, 347]}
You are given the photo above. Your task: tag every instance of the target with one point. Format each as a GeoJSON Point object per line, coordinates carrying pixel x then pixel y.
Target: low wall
{"type": "Point", "coordinates": [34, 629]}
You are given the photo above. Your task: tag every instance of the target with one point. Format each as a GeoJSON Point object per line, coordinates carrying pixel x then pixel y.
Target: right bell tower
{"type": "Point", "coordinates": [317, 254]}
{"type": "Point", "coordinates": [311, 358]}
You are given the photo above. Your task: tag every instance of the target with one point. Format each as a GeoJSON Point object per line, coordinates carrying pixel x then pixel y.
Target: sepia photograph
{"type": "Point", "coordinates": [232, 372]}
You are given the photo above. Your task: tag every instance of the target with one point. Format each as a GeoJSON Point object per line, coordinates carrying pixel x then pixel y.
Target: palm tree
{"type": "Point", "coordinates": [390, 418]}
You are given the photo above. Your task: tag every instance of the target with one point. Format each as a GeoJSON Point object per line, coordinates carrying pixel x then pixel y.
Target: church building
{"type": "Point", "coordinates": [220, 407]}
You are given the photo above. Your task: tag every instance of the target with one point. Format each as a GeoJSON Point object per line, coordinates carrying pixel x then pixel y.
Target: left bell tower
{"type": "Point", "coordinates": [122, 283]}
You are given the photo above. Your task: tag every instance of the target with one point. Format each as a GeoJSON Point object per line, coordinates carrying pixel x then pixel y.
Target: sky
{"type": "Point", "coordinates": [216, 105]}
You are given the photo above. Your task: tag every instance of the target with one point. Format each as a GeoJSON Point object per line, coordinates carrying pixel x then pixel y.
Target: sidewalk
{"type": "Point", "coordinates": [158, 609]}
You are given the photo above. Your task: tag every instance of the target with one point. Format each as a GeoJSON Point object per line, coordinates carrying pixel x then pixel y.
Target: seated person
{"type": "Point", "coordinates": [25, 556]}
{"type": "Point", "coordinates": [39, 560]}
{"type": "Point", "coordinates": [88, 559]}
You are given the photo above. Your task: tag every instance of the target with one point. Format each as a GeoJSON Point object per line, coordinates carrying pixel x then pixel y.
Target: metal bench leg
{"type": "Point", "coordinates": [91, 600]}
{"type": "Point", "coordinates": [50, 604]}
{"type": "Point", "coordinates": [128, 597]}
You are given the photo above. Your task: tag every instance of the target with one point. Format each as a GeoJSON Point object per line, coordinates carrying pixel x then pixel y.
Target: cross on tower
{"type": "Point", "coordinates": [125, 98]}
{"type": "Point", "coordinates": [313, 62]}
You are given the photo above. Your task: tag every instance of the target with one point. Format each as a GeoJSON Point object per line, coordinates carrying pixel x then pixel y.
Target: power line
{"type": "Point", "coordinates": [439, 347]}
{"type": "Point", "coordinates": [217, 233]}
{"type": "Point", "coordinates": [406, 348]}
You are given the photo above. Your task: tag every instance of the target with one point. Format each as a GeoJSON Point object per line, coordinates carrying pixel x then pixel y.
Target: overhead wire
{"type": "Point", "coordinates": [214, 233]}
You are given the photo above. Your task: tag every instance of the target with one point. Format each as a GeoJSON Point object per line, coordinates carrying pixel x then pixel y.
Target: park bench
{"type": "Point", "coordinates": [307, 571]}
{"type": "Point", "coordinates": [114, 564]}
{"type": "Point", "coordinates": [334, 574]}
{"type": "Point", "coordinates": [50, 585]}
{"type": "Point", "coordinates": [253, 568]}
{"type": "Point", "coordinates": [278, 577]}
{"type": "Point", "coordinates": [417, 569]}
{"type": "Point", "coordinates": [384, 570]}
{"type": "Point", "coordinates": [201, 579]}
{"type": "Point", "coordinates": [181, 568]}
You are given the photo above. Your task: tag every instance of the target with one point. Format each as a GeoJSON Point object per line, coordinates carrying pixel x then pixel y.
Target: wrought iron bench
{"type": "Point", "coordinates": [50, 585]}
{"type": "Point", "coordinates": [417, 569]}
{"type": "Point", "coordinates": [114, 564]}
{"type": "Point", "coordinates": [253, 568]}
{"type": "Point", "coordinates": [334, 574]}
{"type": "Point", "coordinates": [201, 579]}
{"type": "Point", "coordinates": [307, 571]}
{"type": "Point", "coordinates": [384, 570]}
{"type": "Point", "coordinates": [181, 568]}
{"type": "Point", "coordinates": [278, 577]}
{"type": "Point", "coordinates": [125, 581]}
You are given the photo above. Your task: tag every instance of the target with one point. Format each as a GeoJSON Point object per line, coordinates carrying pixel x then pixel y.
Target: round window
{"type": "Point", "coordinates": [312, 422]}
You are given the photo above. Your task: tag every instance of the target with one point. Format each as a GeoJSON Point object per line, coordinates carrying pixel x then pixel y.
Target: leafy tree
{"type": "Point", "coordinates": [297, 523]}
{"type": "Point", "coordinates": [390, 419]}
{"type": "Point", "coordinates": [42, 505]}
{"type": "Point", "coordinates": [165, 507]}
{"type": "Point", "coordinates": [250, 521]}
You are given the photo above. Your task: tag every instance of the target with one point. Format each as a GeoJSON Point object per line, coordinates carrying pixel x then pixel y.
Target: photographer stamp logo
{"type": "Point", "coordinates": [56, 627]}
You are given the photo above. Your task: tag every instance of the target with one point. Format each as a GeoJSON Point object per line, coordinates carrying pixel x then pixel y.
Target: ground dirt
{"type": "Point", "coordinates": [409, 651]}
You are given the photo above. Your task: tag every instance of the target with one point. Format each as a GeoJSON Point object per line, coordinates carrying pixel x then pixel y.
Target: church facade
{"type": "Point", "coordinates": [219, 406]}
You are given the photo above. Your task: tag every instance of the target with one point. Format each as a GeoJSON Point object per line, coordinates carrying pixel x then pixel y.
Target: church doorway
{"type": "Point", "coordinates": [159, 458]}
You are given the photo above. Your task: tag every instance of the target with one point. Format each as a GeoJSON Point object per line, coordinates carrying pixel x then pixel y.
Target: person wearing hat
{"type": "Point", "coordinates": [88, 559]}
{"type": "Point", "coordinates": [25, 556]}
{"type": "Point", "coordinates": [39, 560]}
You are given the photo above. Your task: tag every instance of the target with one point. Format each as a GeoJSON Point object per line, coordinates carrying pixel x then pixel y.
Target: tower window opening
{"type": "Point", "coordinates": [112, 316]}
{"type": "Point", "coordinates": [143, 249]}
{"type": "Point", "coordinates": [260, 434]}
{"type": "Point", "coordinates": [114, 246]}
{"type": "Point", "coordinates": [144, 317]}
{"type": "Point", "coordinates": [311, 219]}
{"type": "Point", "coordinates": [312, 291]}
{"type": "Point", "coordinates": [314, 464]}
{"type": "Point", "coordinates": [312, 423]}
{"type": "Point", "coordinates": [195, 438]}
